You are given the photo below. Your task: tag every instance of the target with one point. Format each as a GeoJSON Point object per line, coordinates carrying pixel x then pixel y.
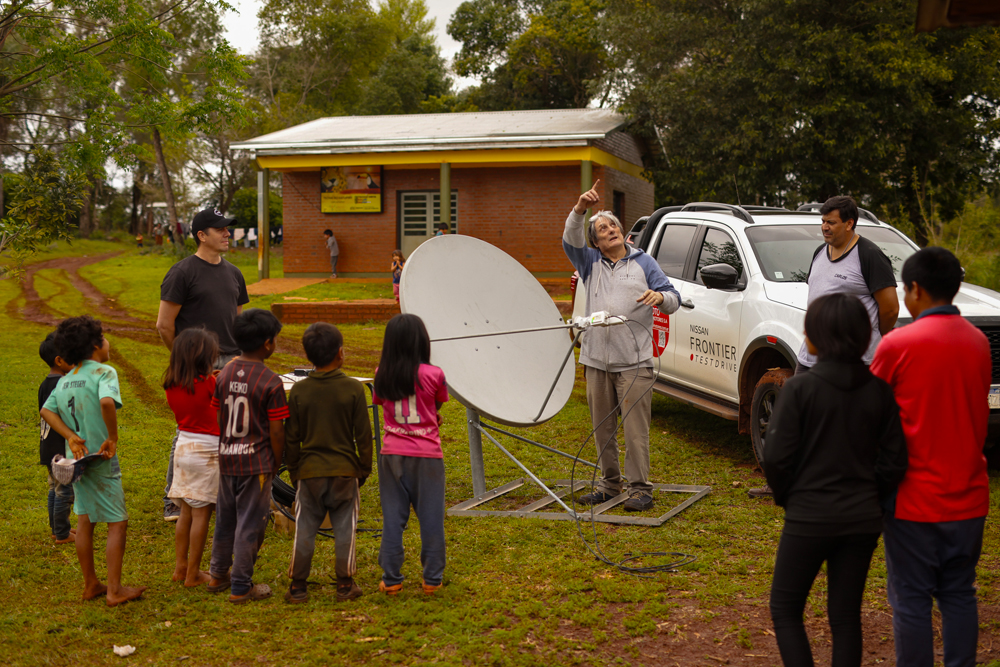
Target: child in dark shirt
{"type": "Point", "coordinates": [397, 271]}
{"type": "Point", "coordinates": [60, 495]}
{"type": "Point", "coordinates": [329, 457]}
{"type": "Point", "coordinates": [252, 408]}
{"type": "Point", "coordinates": [835, 454]}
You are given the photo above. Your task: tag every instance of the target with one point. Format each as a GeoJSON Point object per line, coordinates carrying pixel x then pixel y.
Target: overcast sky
{"type": "Point", "coordinates": [241, 28]}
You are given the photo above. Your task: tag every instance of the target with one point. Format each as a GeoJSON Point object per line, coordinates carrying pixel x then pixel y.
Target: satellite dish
{"type": "Point", "coordinates": [461, 286]}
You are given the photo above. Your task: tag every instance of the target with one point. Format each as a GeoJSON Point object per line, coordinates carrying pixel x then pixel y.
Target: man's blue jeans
{"type": "Point", "coordinates": [928, 561]}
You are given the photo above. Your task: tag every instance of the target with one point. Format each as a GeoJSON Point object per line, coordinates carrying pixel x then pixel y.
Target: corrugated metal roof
{"type": "Point", "coordinates": [413, 132]}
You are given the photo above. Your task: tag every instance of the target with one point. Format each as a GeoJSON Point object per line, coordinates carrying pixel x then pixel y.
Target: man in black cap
{"type": "Point", "coordinates": [202, 290]}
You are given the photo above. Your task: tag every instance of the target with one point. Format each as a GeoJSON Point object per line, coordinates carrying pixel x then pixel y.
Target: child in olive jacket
{"type": "Point", "coordinates": [328, 452]}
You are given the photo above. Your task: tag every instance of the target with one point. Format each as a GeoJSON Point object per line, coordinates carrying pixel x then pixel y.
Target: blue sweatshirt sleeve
{"type": "Point", "coordinates": [575, 246]}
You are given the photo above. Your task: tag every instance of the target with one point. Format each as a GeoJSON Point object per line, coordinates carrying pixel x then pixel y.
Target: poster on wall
{"type": "Point", "coordinates": [350, 189]}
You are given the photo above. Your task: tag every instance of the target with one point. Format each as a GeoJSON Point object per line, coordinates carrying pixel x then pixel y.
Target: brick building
{"type": "Point", "coordinates": [512, 177]}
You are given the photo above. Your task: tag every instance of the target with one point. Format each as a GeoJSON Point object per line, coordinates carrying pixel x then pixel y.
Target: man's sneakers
{"type": "Point", "coordinates": [639, 501]}
{"type": "Point", "coordinates": [595, 497]}
{"type": "Point", "coordinates": [429, 589]}
{"type": "Point", "coordinates": [171, 513]}
{"type": "Point", "coordinates": [761, 492]}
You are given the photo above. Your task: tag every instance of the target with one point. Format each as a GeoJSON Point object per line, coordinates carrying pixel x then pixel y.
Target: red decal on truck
{"type": "Point", "coordinates": [661, 331]}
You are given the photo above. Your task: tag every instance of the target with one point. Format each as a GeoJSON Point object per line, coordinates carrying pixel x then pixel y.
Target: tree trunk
{"type": "Point", "coordinates": [87, 225]}
{"type": "Point", "coordinates": [168, 192]}
{"type": "Point", "coordinates": [136, 199]}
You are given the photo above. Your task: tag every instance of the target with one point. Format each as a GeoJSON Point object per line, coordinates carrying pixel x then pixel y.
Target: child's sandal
{"type": "Point", "coordinates": [389, 590]}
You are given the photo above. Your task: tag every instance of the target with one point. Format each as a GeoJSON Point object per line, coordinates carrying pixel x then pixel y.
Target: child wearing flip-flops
{"type": "Point", "coordinates": [411, 466]}
{"type": "Point", "coordinates": [252, 408]}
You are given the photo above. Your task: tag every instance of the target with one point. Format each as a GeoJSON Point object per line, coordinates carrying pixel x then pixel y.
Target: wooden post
{"type": "Point", "coordinates": [263, 224]}
{"type": "Point", "coordinates": [586, 179]}
{"type": "Point", "coordinates": [445, 203]}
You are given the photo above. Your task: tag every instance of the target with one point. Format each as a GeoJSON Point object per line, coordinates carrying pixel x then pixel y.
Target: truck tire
{"type": "Point", "coordinates": [761, 407]}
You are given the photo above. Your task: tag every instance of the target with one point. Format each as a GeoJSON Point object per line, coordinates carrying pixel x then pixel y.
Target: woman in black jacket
{"type": "Point", "coordinates": [835, 454]}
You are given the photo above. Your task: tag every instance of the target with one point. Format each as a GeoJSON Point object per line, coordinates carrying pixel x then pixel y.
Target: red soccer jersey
{"type": "Point", "coordinates": [940, 370]}
{"type": "Point", "coordinates": [194, 412]}
{"type": "Point", "coordinates": [249, 397]}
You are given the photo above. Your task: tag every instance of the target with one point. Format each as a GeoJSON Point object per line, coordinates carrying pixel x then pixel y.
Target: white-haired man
{"type": "Point", "coordinates": [618, 360]}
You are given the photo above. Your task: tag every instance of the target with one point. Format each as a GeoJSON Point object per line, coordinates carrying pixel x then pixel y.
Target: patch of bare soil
{"type": "Point", "coordinates": [742, 634]}
{"type": "Point", "coordinates": [280, 285]}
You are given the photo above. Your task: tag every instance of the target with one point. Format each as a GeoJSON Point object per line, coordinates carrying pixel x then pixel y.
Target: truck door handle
{"type": "Point", "coordinates": [687, 303]}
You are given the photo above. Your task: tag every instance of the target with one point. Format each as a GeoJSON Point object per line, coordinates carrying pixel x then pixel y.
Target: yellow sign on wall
{"type": "Point", "coordinates": [350, 189]}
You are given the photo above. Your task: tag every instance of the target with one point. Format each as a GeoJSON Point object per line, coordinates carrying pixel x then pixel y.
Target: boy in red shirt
{"type": "Point", "coordinates": [940, 371]}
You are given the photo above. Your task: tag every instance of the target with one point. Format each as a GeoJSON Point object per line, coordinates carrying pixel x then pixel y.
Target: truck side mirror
{"type": "Point", "coordinates": [720, 276]}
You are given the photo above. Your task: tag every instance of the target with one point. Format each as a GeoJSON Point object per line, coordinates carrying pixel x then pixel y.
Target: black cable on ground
{"type": "Point", "coordinates": [283, 495]}
{"type": "Point", "coordinates": [641, 571]}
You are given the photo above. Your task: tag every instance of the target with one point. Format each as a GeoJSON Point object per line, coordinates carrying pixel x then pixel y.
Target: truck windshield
{"type": "Point", "coordinates": [785, 251]}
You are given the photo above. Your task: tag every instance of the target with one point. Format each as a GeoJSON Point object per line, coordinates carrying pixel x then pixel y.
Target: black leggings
{"type": "Point", "coordinates": [799, 560]}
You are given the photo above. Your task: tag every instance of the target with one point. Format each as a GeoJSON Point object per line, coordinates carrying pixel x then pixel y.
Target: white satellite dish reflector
{"type": "Point", "coordinates": [462, 286]}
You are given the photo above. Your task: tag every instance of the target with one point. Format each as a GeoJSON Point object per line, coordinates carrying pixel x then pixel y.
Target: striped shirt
{"type": "Point", "coordinates": [249, 397]}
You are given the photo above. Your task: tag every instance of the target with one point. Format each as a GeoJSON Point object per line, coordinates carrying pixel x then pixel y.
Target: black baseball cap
{"type": "Point", "coordinates": [210, 217]}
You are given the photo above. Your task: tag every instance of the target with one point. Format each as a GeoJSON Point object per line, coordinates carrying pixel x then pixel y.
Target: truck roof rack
{"type": "Point", "coordinates": [814, 207]}
{"type": "Point", "coordinates": [736, 211]}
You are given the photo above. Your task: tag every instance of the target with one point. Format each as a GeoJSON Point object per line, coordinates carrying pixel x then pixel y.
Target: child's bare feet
{"type": "Point", "coordinates": [91, 592]}
{"type": "Point", "coordinates": [125, 594]}
{"type": "Point", "coordinates": [65, 540]}
{"type": "Point", "coordinates": [201, 578]}
{"type": "Point", "coordinates": [179, 575]}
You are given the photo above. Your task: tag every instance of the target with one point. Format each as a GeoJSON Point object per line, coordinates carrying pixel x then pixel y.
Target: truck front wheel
{"type": "Point", "coordinates": [761, 407]}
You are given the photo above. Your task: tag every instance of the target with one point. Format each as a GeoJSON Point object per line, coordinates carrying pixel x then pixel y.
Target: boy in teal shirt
{"type": "Point", "coordinates": [82, 408]}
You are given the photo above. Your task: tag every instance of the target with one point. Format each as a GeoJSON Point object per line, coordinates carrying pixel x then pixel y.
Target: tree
{"type": "Point", "coordinates": [43, 199]}
{"type": "Point", "coordinates": [85, 77]}
{"type": "Point", "coordinates": [531, 54]}
{"type": "Point", "coordinates": [330, 58]}
{"type": "Point", "coordinates": [779, 102]}
{"type": "Point", "coordinates": [63, 68]}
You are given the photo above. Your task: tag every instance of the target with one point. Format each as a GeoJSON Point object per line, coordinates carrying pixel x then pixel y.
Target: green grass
{"type": "Point", "coordinates": [518, 592]}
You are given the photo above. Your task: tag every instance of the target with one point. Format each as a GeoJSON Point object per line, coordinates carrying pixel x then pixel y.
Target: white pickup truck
{"type": "Point", "coordinates": [741, 275]}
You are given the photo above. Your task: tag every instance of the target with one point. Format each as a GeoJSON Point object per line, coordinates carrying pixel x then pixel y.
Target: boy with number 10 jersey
{"type": "Point", "coordinates": [251, 403]}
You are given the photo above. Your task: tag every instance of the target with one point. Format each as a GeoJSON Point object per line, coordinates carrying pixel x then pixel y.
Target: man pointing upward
{"type": "Point", "coordinates": [621, 280]}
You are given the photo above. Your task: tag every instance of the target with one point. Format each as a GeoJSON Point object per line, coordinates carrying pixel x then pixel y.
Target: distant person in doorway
{"type": "Point", "coordinates": [622, 280]}
{"type": "Point", "coordinates": [202, 290]}
{"type": "Point", "coordinates": [940, 370]}
{"type": "Point", "coordinates": [331, 245]}
{"type": "Point", "coordinates": [848, 263]}
{"type": "Point", "coordinates": [836, 452]}
{"type": "Point", "coordinates": [443, 229]}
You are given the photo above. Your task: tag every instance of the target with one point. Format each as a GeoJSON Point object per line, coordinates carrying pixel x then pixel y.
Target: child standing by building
{"type": "Point", "coordinates": [82, 409]}
{"type": "Point", "coordinates": [411, 467]}
{"type": "Point", "coordinates": [190, 386]}
{"type": "Point", "coordinates": [329, 456]}
{"type": "Point", "coordinates": [397, 271]}
{"type": "Point", "coordinates": [51, 443]}
{"type": "Point", "coordinates": [251, 404]}
{"type": "Point", "coordinates": [835, 454]}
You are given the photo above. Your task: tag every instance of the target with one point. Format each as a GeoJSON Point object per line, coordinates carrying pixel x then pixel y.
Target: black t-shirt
{"type": "Point", "coordinates": [51, 443]}
{"type": "Point", "coordinates": [208, 295]}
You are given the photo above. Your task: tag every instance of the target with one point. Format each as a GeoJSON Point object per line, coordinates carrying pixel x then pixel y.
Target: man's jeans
{"type": "Point", "coordinates": [925, 561]}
